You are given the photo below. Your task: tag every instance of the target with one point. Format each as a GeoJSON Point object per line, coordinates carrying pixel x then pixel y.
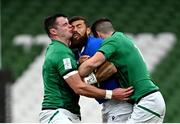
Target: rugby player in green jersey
{"type": "Point", "coordinates": [117, 48]}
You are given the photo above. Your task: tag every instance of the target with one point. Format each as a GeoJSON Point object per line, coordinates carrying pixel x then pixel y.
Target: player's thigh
{"type": "Point", "coordinates": [118, 118]}
{"type": "Point", "coordinates": [118, 112]}
{"type": "Point", "coordinates": [142, 116]}
{"type": "Point", "coordinates": [150, 109]}
{"type": "Point", "coordinates": [54, 116]}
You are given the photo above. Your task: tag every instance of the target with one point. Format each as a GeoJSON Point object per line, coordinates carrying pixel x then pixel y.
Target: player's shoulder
{"type": "Point", "coordinates": [116, 36]}
{"type": "Point", "coordinates": [94, 43]}
{"type": "Point", "coordinates": [92, 38]}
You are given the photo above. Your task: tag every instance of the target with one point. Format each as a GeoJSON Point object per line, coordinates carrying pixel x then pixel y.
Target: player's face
{"type": "Point", "coordinates": [63, 28]}
{"type": "Point", "coordinates": [80, 34]}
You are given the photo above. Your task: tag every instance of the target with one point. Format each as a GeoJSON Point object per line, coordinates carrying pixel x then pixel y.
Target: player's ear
{"type": "Point", "coordinates": [53, 31]}
{"type": "Point", "coordinates": [99, 34]}
{"type": "Point", "coordinates": [88, 31]}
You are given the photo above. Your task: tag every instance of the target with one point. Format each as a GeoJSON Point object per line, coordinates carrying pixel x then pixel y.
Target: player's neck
{"type": "Point", "coordinates": [63, 40]}
{"type": "Point", "coordinates": [108, 35]}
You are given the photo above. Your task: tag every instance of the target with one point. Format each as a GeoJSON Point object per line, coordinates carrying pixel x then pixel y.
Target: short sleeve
{"type": "Point", "coordinates": [66, 64]}
{"type": "Point", "coordinates": [108, 48]}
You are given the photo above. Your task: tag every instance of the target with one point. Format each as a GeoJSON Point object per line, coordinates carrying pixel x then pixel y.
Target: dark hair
{"type": "Point", "coordinates": [99, 25]}
{"type": "Point", "coordinates": [50, 22]}
{"type": "Point", "coordinates": [76, 18]}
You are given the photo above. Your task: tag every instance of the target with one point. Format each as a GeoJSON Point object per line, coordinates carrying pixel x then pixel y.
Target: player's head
{"type": "Point", "coordinates": [58, 26]}
{"type": "Point", "coordinates": [81, 31]}
{"type": "Point", "coordinates": [102, 27]}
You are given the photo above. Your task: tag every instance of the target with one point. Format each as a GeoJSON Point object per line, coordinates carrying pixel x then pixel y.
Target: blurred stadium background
{"type": "Point", "coordinates": [153, 24]}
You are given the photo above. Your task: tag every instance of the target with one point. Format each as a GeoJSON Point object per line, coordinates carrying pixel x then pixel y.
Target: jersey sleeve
{"type": "Point", "coordinates": [108, 48]}
{"type": "Point", "coordinates": [66, 64]}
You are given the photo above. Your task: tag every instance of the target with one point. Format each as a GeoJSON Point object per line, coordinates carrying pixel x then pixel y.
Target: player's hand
{"type": "Point", "coordinates": [83, 58]}
{"type": "Point", "coordinates": [122, 93]}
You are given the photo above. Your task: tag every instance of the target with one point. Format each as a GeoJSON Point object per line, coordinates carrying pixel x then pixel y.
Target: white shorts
{"type": "Point", "coordinates": [116, 111]}
{"type": "Point", "coordinates": [59, 116]}
{"type": "Point", "coordinates": [150, 109]}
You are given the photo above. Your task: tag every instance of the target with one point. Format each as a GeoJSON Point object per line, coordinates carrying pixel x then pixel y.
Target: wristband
{"type": "Point", "coordinates": [108, 94]}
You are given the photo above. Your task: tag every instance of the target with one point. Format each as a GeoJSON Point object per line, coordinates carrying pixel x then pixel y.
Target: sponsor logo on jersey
{"type": "Point", "coordinates": [67, 63]}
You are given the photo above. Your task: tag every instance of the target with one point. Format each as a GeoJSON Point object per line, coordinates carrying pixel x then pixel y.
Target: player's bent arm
{"type": "Point", "coordinates": [81, 88]}
{"type": "Point", "coordinates": [89, 65]}
{"type": "Point", "coordinates": [74, 81]}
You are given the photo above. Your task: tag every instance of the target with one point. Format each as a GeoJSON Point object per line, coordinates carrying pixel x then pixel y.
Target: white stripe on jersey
{"type": "Point", "coordinates": [70, 74]}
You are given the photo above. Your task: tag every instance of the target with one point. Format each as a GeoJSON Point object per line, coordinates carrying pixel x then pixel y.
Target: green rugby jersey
{"type": "Point", "coordinates": [132, 70]}
{"type": "Point", "coordinates": [59, 60]}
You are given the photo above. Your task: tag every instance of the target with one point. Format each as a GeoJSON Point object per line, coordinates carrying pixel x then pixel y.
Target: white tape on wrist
{"type": "Point", "coordinates": [108, 94]}
{"type": "Point", "coordinates": [90, 79]}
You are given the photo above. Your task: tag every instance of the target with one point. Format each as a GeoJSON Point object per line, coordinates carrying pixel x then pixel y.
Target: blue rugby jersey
{"type": "Point", "coordinates": [91, 47]}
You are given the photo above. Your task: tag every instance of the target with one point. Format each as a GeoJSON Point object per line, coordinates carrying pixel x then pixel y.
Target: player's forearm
{"type": "Point", "coordinates": [91, 91]}
{"type": "Point", "coordinates": [86, 68]}
{"type": "Point", "coordinates": [117, 94]}
{"type": "Point", "coordinates": [74, 81]}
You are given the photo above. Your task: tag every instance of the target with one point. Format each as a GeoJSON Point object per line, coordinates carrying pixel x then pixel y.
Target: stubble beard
{"type": "Point", "coordinates": [78, 42]}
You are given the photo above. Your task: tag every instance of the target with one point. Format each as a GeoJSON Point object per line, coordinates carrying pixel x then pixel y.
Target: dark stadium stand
{"type": "Point", "coordinates": [132, 16]}
{"type": "Point", "coordinates": [5, 78]}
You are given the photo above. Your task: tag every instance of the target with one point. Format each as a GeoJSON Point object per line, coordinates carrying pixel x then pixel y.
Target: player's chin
{"type": "Point", "coordinates": [76, 38]}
